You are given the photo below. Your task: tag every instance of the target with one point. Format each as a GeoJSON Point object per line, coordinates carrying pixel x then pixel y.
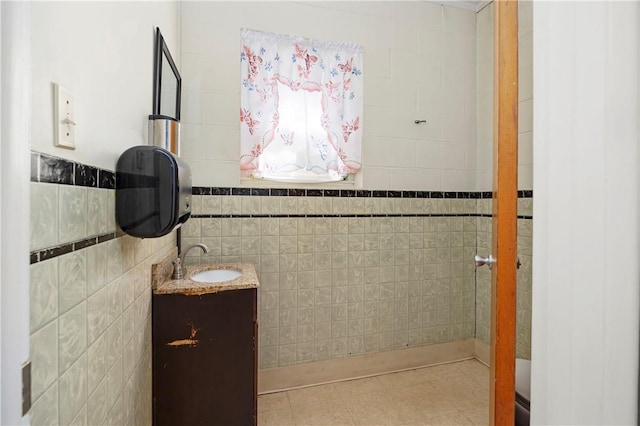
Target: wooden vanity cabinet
{"type": "Point", "coordinates": [205, 358]}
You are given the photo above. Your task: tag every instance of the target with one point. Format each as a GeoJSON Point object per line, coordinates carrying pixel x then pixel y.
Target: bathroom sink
{"type": "Point", "coordinates": [216, 276]}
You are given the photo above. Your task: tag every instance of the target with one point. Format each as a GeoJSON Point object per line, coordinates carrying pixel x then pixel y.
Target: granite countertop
{"type": "Point", "coordinates": [163, 284]}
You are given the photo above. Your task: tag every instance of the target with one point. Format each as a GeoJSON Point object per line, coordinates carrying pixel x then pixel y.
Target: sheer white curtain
{"type": "Point", "coordinates": [300, 108]}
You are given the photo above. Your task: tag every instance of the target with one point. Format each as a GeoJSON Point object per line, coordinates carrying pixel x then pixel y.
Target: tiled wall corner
{"type": "Point", "coordinates": [90, 306]}
{"type": "Point", "coordinates": [373, 273]}
{"type": "Point", "coordinates": [523, 277]}
{"type": "Point", "coordinates": [91, 335]}
{"type": "Point", "coordinates": [351, 280]}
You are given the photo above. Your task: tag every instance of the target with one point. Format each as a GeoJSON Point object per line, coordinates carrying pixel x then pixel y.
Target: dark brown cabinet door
{"type": "Point", "coordinates": [204, 364]}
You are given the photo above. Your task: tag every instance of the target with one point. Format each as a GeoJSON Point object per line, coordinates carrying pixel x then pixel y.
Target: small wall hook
{"type": "Point", "coordinates": [420, 121]}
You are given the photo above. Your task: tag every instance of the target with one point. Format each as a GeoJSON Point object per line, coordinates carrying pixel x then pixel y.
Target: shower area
{"type": "Point", "coordinates": [373, 275]}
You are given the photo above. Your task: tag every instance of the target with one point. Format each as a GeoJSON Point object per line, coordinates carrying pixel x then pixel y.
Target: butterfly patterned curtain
{"type": "Point", "coordinates": [300, 108]}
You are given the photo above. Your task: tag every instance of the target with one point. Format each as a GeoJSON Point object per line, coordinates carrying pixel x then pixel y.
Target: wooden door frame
{"type": "Point", "coordinates": [505, 203]}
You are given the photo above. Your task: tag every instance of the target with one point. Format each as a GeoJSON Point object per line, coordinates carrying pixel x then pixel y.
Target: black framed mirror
{"type": "Point", "coordinates": [167, 82]}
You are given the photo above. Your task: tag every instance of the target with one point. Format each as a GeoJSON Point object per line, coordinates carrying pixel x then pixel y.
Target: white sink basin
{"type": "Point", "coordinates": [216, 276]}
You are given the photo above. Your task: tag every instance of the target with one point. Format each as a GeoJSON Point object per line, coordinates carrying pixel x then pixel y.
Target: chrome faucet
{"type": "Point", "coordinates": [179, 268]}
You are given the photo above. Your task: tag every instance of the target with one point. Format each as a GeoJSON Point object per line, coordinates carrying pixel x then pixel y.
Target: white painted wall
{"type": "Point", "coordinates": [14, 202]}
{"type": "Point", "coordinates": [103, 53]}
{"type": "Point", "coordinates": [14, 226]}
{"type": "Point", "coordinates": [419, 63]}
{"type": "Point", "coordinates": [585, 243]}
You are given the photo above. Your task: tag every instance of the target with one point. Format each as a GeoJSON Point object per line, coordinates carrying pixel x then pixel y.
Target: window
{"type": "Point", "coordinates": [300, 108]}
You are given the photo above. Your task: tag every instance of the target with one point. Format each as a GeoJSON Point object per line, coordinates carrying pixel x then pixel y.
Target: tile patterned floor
{"type": "Point", "coordinates": [451, 394]}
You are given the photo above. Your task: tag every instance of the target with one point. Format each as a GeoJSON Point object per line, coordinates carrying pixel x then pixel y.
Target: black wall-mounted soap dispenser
{"type": "Point", "coordinates": [153, 191]}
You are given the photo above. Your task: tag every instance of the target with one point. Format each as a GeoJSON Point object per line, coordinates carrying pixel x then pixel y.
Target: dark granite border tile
{"type": "Point", "coordinates": [106, 179]}
{"type": "Point", "coordinates": [55, 251]}
{"type": "Point", "coordinates": [220, 191]}
{"type": "Point", "coordinates": [86, 175]}
{"type": "Point", "coordinates": [200, 190]}
{"type": "Point", "coordinates": [240, 191]}
{"type": "Point", "coordinates": [79, 245]}
{"type": "Point", "coordinates": [279, 192]}
{"type": "Point", "coordinates": [56, 170]}
{"type": "Point", "coordinates": [298, 192]}
{"type": "Point", "coordinates": [247, 216]}
{"type": "Point", "coordinates": [106, 237]}
{"type": "Point", "coordinates": [51, 252]}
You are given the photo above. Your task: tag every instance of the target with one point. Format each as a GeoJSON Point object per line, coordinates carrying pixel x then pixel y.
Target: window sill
{"type": "Point", "coordinates": [350, 183]}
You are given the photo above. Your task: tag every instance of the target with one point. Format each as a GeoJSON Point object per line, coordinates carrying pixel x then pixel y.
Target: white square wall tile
{"type": "Point", "coordinates": [44, 358]}
{"type": "Point", "coordinates": [96, 315]}
{"type": "Point", "coordinates": [72, 279]}
{"type": "Point", "coordinates": [43, 293]}
{"type": "Point", "coordinates": [458, 20]}
{"type": "Point", "coordinates": [115, 261]}
{"type": "Point", "coordinates": [97, 205]}
{"type": "Point", "coordinates": [72, 336]}
{"type": "Point", "coordinates": [114, 382]}
{"type": "Point", "coordinates": [193, 111]}
{"type": "Point", "coordinates": [418, 14]}
{"type": "Point", "coordinates": [96, 268]}
{"type": "Point", "coordinates": [73, 390]}
{"type": "Point", "coordinates": [97, 405]}
{"type": "Point", "coordinates": [96, 362]}
{"type": "Point", "coordinates": [44, 215]}
{"type": "Point", "coordinates": [44, 410]}
{"type": "Point", "coordinates": [211, 142]}
{"type": "Point", "coordinates": [72, 213]}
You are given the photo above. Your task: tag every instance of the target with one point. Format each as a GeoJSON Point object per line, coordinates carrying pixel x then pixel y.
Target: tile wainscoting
{"type": "Point", "coordinates": [353, 272]}
{"type": "Point", "coordinates": [90, 300]}
{"type": "Point", "coordinates": [344, 273]}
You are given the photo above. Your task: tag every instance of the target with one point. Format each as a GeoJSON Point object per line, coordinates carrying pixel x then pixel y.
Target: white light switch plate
{"type": "Point", "coordinates": [65, 126]}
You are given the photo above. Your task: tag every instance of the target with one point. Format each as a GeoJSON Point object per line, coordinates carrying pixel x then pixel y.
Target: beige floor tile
{"type": "Point", "coordinates": [401, 379]}
{"type": "Point", "coordinates": [336, 418]}
{"type": "Point", "coordinates": [439, 372]}
{"type": "Point", "coordinates": [273, 401]}
{"type": "Point", "coordinates": [383, 408]}
{"type": "Point", "coordinates": [452, 394]}
{"type": "Point", "coordinates": [478, 416]}
{"type": "Point", "coordinates": [359, 386]}
{"type": "Point", "coordinates": [281, 417]}
{"type": "Point", "coordinates": [450, 420]}
{"type": "Point", "coordinates": [319, 405]}
{"type": "Point", "coordinates": [315, 396]}
{"type": "Point", "coordinates": [438, 409]}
